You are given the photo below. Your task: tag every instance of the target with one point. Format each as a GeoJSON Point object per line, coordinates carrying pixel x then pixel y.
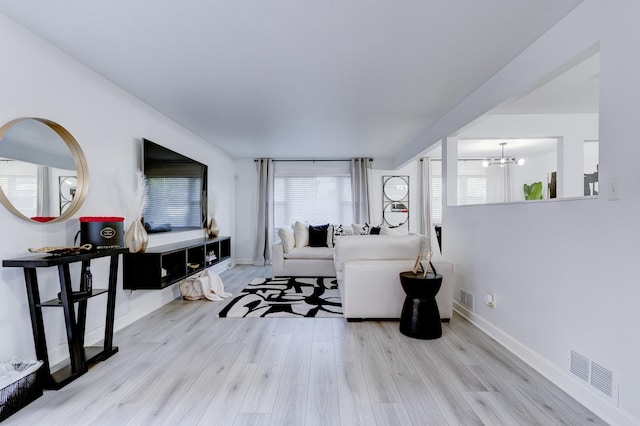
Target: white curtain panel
{"type": "Point", "coordinates": [360, 174]}
{"type": "Point", "coordinates": [425, 166]}
{"type": "Point", "coordinates": [262, 251]}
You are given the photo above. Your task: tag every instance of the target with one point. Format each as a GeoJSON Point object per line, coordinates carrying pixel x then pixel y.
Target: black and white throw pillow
{"type": "Point", "coordinates": [338, 231]}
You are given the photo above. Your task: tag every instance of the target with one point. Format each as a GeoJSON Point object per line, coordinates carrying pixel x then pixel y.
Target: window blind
{"type": "Point", "coordinates": [436, 191]}
{"type": "Point", "coordinates": [472, 182]}
{"type": "Point", "coordinates": [314, 192]}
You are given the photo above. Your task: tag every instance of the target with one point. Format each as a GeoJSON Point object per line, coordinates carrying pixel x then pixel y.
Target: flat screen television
{"type": "Point", "coordinates": [176, 189]}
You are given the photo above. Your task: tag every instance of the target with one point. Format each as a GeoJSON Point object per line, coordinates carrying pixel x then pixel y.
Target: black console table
{"type": "Point", "coordinates": [80, 357]}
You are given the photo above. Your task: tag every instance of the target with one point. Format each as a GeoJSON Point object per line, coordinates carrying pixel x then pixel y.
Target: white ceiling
{"type": "Point", "coordinates": [290, 78]}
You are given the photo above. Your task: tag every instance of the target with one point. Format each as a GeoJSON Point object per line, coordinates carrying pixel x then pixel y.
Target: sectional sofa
{"type": "Point", "coordinates": [367, 268]}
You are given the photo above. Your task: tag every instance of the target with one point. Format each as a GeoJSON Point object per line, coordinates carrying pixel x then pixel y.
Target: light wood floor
{"type": "Point", "coordinates": [182, 365]}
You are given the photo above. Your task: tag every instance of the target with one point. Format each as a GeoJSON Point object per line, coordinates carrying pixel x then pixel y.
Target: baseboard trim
{"type": "Point", "coordinates": [585, 396]}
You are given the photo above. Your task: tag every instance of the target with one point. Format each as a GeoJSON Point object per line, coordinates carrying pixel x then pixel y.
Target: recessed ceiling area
{"type": "Point", "coordinates": [290, 79]}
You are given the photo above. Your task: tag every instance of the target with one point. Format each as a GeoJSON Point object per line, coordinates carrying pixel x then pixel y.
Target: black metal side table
{"type": "Point", "coordinates": [420, 317]}
{"type": "Point", "coordinates": [80, 356]}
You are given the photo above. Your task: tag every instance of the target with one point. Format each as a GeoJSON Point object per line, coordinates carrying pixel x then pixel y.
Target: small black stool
{"type": "Point", "coordinates": [420, 317]}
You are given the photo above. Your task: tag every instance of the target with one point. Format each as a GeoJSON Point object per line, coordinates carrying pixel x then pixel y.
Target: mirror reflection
{"type": "Point", "coordinates": [38, 170]}
{"type": "Point", "coordinates": [395, 214]}
{"type": "Point", "coordinates": [396, 188]}
{"type": "Point", "coordinates": [395, 210]}
{"type": "Point", "coordinates": [68, 186]}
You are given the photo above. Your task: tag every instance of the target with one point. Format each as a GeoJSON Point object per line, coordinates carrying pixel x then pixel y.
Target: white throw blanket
{"type": "Point", "coordinates": [208, 284]}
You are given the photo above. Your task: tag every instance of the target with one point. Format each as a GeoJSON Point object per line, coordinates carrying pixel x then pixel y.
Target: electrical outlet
{"type": "Point", "coordinates": [613, 188]}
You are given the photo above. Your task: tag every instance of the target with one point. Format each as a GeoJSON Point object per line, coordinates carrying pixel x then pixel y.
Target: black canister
{"type": "Point", "coordinates": [102, 232]}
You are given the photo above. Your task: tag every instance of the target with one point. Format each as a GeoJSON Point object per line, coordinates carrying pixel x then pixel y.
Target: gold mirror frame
{"type": "Point", "coordinates": [82, 170]}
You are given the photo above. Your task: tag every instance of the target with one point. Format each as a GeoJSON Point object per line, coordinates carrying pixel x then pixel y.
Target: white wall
{"type": "Point", "coordinates": [40, 81]}
{"type": "Point", "coordinates": [246, 187]}
{"type": "Point", "coordinates": [563, 273]}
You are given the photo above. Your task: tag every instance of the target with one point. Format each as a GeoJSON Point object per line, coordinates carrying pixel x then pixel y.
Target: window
{"type": "Point", "coordinates": [472, 186]}
{"type": "Point", "coordinates": [436, 191]}
{"type": "Point", "coordinates": [315, 192]}
{"type": "Point", "coordinates": [472, 182]}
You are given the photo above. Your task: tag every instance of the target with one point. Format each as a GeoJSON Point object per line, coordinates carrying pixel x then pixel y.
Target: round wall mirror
{"type": "Point", "coordinates": [395, 214]}
{"type": "Point", "coordinates": [43, 172]}
{"type": "Point", "coordinates": [396, 188]}
{"type": "Point", "coordinates": [395, 201]}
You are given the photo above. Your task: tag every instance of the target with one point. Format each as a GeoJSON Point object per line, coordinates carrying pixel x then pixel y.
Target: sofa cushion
{"type": "Point", "coordinates": [318, 235]}
{"type": "Point", "coordinates": [309, 252]}
{"type": "Point", "coordinates": [376, 247]}
{"type": "Point", "coordinates": [360, 228]}
{"type": "Point", "coordinates": [301, 234]}
{"type": "Point", "coordinates": [287, 238]}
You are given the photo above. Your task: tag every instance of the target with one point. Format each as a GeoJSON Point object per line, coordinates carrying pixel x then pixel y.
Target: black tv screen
{"type": "Point", "coordinates": [176, 189]}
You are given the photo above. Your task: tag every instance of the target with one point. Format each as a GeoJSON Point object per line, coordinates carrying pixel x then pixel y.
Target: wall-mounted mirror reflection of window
{"type": "Point", "coordinates": [395, 202]}
{"type": "Point", "coordinates": [34, 154]}
{"type": "Point", "coordinates": [554, 128]}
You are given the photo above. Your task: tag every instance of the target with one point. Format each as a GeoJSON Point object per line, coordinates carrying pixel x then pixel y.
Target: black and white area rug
{"type": "Point", "coordinates": [286, 297]}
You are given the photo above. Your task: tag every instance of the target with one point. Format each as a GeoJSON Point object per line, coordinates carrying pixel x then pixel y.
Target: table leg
{"type": "Point", "coordinates": [111, 303]}
{"type": "Point", "coordinates": [76, 351]}
{"type": "Point", "coordinates": [82, 306]}
{"type": "Point", "coordinates": [37, 323]}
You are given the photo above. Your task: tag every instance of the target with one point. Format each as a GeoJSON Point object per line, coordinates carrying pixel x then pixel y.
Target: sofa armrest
{"type": "Point", "coordinates": [277, 259]}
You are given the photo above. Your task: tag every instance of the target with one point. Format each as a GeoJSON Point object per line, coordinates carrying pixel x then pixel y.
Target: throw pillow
{"type": "Point", "coordinates": [385, 230]}
{"type": "Point", "coordinates": [338, 231]}
{"type": "Point", "coordinates": [330, 236]}
{"type": "Point", "coordinates": [287, 238]}
{"type": "Point", "coordinates": [375, 230]}
{"type": "Point", "coordinates": [359, 229]}
{"type": "Point", "coordinates": [318, 235]}
{"type": "Point", "coordinates": [301, 234]}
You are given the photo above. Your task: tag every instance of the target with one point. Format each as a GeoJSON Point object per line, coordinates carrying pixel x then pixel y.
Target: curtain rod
{"type": "Point", "coordinates": [311, 161]}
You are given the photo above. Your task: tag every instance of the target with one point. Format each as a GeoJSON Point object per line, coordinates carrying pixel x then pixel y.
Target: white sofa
{"type": "Point", "coordinates": [368, 268]}
{"type": "Point", "coordinates": [302, 261]}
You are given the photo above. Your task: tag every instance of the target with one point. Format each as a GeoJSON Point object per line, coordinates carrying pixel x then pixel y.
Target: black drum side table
{"type": "Point", "coordinates": [420, 317]}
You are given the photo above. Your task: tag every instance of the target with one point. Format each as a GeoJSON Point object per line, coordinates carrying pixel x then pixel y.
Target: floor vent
{"type": "Point", "coordinates": [594, 374]}
{"type": "Point", "coordinates": [466, 299]}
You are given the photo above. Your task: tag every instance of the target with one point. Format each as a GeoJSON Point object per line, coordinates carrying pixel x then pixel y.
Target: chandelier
{"type": "Point", "coordinates": [502, 161]}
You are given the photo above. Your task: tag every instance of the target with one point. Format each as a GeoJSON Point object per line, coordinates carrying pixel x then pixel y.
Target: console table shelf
{"type": "Point", "coordinates": [76, 298]}
{"type": "Point", "coordinates": [80, 357]}
{"type": "Point", "coordinates": [161, 266]}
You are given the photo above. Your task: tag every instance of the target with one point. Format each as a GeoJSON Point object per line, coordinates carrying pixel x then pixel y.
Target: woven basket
{"type": "Point", "coordinates": [19, 394]}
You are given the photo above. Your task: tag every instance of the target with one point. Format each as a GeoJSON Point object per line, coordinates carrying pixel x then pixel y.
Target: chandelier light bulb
{"type": "Point", "coordinates": [520, 161]}
{"type": "Point", "coordinates": [485, 163]}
